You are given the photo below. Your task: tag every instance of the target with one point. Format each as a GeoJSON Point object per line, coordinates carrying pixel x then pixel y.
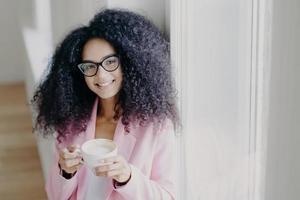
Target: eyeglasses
{"type": "Point", "coordinates": [109, 63]}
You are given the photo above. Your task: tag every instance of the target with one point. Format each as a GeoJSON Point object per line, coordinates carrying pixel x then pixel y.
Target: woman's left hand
{"type": "Point", "coordinates": [117, 168]}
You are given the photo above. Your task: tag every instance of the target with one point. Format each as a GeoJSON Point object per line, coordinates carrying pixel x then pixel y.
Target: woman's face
{"type": "Point", "coordinates": [105, 84]}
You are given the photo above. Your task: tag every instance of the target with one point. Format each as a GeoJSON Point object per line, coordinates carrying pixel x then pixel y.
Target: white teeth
{"type": "Point", "coordinates": [105, 84]}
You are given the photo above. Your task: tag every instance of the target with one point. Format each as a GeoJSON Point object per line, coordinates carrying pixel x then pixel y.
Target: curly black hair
{"type": "Point", "coordinates": [63, 100]}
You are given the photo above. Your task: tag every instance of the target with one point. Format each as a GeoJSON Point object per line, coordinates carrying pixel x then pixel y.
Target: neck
{"type": "Point", "coordinates": [107, 106]}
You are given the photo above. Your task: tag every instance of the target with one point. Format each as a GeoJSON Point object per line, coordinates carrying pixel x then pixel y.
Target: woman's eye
{"type": "Point", "coordinates": [110, 62]}
{"type": "Point", "coordinates": [87, 67]}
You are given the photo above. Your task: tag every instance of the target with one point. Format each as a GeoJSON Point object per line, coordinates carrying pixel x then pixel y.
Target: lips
{"type": "Point", "coordinates": [104, 83]}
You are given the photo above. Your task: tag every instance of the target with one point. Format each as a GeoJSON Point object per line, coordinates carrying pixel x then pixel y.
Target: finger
{"type": "Point", "coordinates": [72, 169]}
{"type": "Point", "coordinates": [69, 163]}
{"type": "Point", "coordinates": [105, 168]}
{"type": "Point", "coordinates": [73, 147]}
{"type": "Point", "coordinates": [120, 178]}
{"type": "Point", "coordinates": [65, 154]}
{"type": "Point", "coordinates": [115, 173]}
{"type": "Point", "coordinates": [68, 159]}
{"type": "Point", "coordinates": [112, 159]}
{"type": "Point", "coordinates": [73, 162]}
{"type": "Point", "coordinates": [100, 173]}
{"type": "Point", "coordinates": [76, 167]}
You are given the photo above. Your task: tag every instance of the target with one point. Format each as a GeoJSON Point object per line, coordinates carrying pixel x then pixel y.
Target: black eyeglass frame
{"type": "Point", "coordinates": [99, 64]}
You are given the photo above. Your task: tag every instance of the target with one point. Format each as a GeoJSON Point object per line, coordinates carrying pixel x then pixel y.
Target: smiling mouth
{"type": "Point", "coordinates": [100, 85]}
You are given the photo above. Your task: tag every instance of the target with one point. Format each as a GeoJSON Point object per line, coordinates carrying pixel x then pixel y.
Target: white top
{"type": "Point", "coordinates": [96, 186]}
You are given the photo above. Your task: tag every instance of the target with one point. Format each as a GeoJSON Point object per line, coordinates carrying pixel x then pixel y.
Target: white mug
{"type": "Point", "coordinates": [96, 149]}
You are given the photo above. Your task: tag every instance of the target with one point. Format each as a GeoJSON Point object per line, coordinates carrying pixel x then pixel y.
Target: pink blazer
{"type": "Point", "coordinates": [150, 152]}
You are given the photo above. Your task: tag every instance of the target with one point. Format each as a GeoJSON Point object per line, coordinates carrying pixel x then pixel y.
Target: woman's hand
{"type": "Point", "coordinates": [69, 159]}
{"type": "Point", "coordinates": [115, 167]}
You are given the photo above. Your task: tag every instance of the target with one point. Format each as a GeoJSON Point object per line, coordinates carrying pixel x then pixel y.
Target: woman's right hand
{"type": "Point", "coordinates": [70, 159]}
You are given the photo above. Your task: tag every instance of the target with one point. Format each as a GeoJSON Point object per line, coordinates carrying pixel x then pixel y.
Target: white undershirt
{"type": "Point", "coordinates": [96, 186]}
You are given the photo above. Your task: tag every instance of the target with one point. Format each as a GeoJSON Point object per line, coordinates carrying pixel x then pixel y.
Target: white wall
{"type": "Point", "coordinates": [283, 160]}
{"type": "Point", "coordinates": [154, 9]}
{"type": "Point", "coordinates": [69, 14]}
{"type": "Point", "coordinates": [12, 50]}
{"type": "Point", "coordinates": [212, 51]}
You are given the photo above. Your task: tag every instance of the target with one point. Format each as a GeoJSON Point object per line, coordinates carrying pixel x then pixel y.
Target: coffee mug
{"type": "Point", "coordinates": [96, 149]}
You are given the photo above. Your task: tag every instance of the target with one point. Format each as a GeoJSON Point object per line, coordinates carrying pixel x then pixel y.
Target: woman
{"type": "Point", "coordinates": [111, 79]}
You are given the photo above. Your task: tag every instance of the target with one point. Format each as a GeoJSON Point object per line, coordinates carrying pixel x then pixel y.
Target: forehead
{"type": "Point", "coordinates": [95, 49]}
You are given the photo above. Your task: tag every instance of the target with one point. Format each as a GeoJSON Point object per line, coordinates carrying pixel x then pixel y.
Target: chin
{"type": "Point", "coordinates": [107, 95]}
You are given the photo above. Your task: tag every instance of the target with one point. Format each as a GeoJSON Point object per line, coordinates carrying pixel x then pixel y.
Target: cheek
{"type": "Point", "coordinates": [119, 75]}
{"type": "Point", "coordinates": [89, 82]}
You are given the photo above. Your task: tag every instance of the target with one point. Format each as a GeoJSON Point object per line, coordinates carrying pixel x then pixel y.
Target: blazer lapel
{"type": "Point", "coordinates": [125, 144]}
{"type": "Point", "coordinates": [90, 132]}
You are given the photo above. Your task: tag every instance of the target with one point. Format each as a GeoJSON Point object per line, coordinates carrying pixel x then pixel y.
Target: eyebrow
{"type": "Point", "coordinates": [109, 55]}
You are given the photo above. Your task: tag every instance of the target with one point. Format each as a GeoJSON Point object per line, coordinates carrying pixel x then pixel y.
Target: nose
{"type": "Point", "coordinates": [102, 73]}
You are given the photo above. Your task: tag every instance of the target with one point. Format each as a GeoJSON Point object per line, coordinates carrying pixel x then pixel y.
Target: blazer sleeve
{"type": "Point", "coordinates": [57, 187]}
{"type": "Point", "coordinates": [161, 184]}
